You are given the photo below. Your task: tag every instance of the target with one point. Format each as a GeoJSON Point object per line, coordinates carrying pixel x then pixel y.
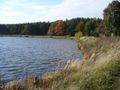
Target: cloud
{"type": "Point", "coordinates": [19, 11]}
{"type": "Point", "coordinates": [77, 8]}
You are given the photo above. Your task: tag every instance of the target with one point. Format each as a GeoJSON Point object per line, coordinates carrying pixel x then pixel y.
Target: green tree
{"type": "Point", "coordinates": [81, 27]}
{"type": "Point", "coordinates": [112, 18]}
{"type": "Point", "coordinates": [91, 26]}
{"type": "Point", "coordinates": [71, 26]}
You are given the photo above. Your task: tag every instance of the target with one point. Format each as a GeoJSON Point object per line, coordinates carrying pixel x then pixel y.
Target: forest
{"type": "Point", "coordinates": [57, 28]}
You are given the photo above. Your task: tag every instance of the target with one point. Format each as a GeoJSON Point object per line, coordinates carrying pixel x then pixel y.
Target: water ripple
{"type": "Point", "coordinates": [21, 56]}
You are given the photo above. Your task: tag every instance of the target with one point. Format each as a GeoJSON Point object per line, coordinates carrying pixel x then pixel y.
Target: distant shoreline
{"type": "Point", "coordinates": [40, 36]}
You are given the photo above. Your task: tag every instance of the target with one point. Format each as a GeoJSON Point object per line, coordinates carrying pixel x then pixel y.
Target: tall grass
{"type": "Point", "coordinates": [99, 71]}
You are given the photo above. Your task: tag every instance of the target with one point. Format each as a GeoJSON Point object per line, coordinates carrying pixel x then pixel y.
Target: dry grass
{"type": "Point", "coordinates": [99, 70]}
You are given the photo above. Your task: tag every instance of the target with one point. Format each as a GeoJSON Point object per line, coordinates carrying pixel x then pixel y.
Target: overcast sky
{"type": "Point", "coordinates": [20, 11]}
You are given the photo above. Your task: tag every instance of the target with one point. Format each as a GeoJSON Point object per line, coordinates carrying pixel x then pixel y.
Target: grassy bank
{"type": "Point", "coordinates": [99, 69]}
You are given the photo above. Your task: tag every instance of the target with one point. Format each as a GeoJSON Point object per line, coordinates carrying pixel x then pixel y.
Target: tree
{"type": "Point", "coordinates": [25, 29]}
{"type": "Point", "coordinates": [112, 18]}
{"type": "Point", "coordinates": [71, 25]}
{"type": "Point", "coordinates": [80, 27]}
{"type": "Point", "coordinates": [3, 29]}
{"type": "Point", "coordinates": [57, 28]}
{"type": "Point", "coordinates": [91, 27]}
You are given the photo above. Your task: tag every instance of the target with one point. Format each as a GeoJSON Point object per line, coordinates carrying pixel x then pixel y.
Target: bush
{"type": "Point", "coordinates": [78, 34]}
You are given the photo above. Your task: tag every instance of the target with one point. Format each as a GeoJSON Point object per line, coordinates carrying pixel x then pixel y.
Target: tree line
{"type": "Point", "coordinates": [39, 28]}
{"type": "Point", "coordinates": [57, 28]}
{"type": "Point", "coordinates": [86, 26]}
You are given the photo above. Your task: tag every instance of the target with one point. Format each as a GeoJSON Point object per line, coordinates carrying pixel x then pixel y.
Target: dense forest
{"type": "Point", "coordinates": [57, 28]}
{"type": "Point", "coordinates": [40, 28]}
{"type": "Point", "coordinates": [86, 26]}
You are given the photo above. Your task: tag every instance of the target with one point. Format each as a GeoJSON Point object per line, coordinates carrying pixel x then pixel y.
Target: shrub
{"type": "Point", "coordinates": [78, 34]}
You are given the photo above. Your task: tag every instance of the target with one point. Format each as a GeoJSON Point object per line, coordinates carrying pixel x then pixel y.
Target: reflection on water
{"type": "Point", "coordinates": [21, 56]}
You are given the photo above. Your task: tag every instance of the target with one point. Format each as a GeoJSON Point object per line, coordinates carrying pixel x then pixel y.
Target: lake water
{"type": "Point", "coordinates": [22, 56]}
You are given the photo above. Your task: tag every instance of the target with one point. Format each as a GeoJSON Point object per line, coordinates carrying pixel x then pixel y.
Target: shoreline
{"type": "Point", "coordinates": [40, 36]}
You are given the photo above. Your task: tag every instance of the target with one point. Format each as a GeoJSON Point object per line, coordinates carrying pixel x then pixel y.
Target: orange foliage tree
{"type": "Point", "coordinates": [57, 28]}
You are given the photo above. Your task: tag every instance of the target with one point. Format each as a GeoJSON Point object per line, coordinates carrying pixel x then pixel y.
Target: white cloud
{"type": "Point", "coordinates": [77, 8]}
{"type": "Point", "coordinates": [19, 11]}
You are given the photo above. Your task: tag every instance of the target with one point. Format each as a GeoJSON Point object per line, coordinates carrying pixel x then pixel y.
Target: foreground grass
{"type": "Point", "coordinates": [99, 70]}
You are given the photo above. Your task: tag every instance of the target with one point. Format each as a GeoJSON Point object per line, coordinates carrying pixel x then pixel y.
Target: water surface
{"type": "Point", "coordinates": [22, 56]}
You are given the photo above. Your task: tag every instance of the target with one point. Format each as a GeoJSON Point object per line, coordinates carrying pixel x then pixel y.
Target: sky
{"type": "Point", "coordinates": [22, 11]}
